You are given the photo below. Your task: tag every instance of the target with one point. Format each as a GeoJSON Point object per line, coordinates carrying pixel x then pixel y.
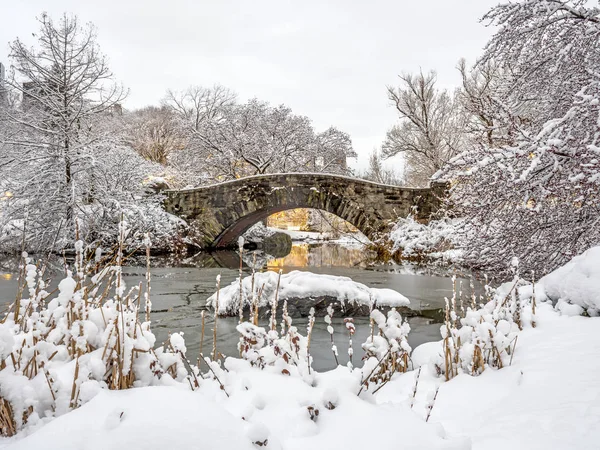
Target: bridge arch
{"type": "Point", "coordinates": [220, 213]}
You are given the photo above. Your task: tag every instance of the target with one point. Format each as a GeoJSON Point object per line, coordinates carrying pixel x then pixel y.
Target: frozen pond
{"type": "Point", "coordinates": [180, 289]}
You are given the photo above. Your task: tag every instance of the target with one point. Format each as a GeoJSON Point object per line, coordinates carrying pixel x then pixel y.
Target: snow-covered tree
{"type": "Point", "coordinates": [536, 197]}
{"type": "Point", "coordinates": [228, 140]}
{"type": "Point", "coordinates": [153, 132]}
{"type": "Point", "coordinates": [487, 121]}
{"type": "Point", "coordinates": [63, 158]}
{"type": "Point", "coordinates": [378, 173]}
{"type": "Point", "coordinates": [431, 127]}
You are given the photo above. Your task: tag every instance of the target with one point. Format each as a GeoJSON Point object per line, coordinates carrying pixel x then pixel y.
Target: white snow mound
{"type": "Point", "coordinates": [577, 282]}
{"type": "Point", "coordinates": [298, 284]}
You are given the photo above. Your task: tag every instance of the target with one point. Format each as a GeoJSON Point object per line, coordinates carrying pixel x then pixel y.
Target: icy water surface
{"type": "Point", "coordinates": [180, 289]}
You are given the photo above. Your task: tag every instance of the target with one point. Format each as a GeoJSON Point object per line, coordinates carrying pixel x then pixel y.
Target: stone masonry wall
{"type": "Point", "coordinates": [222, 212]}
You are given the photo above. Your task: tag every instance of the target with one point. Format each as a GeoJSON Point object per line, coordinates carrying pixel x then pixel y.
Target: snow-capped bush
{"type": "Point", "coordinates": [387, 352]}
{"type": "Point", "coordinates": [477, 335]}
{"type": "Point", "coordinates": [412, 240]}
{"type": "Point", "coordinates": [57, 350]}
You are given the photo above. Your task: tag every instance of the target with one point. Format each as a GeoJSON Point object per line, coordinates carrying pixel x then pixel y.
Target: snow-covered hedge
{"type": "Point", "coordinates": [59, 349]}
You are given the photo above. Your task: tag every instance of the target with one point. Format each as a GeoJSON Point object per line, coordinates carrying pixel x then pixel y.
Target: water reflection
{"type": "Point", "coordinates": [321, 255]}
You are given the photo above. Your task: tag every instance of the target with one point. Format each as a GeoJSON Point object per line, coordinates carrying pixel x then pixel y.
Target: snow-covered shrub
{"type": "Point", "coordinates": [110, 189]}
{"type": "Point", "coordinates": [529, 182]}
{"type": "Point", "coordinates": [59, 348]}
{"type": "Point", "coordinates": [286, 353]}
{"type": "Point", "coordinates": [477, 335]}
{"type": "Point", "coordinates": [413, 240]}
{"type": "Point", "coordinates": [387, 352]}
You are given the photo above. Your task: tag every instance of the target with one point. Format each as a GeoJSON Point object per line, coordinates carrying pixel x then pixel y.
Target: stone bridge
{"type": "Point", "coordinates": [220, 213]}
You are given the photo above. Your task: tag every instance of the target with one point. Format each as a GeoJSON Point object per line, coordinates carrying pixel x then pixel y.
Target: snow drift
{"type": "Point", "coordinates": [297, 284]}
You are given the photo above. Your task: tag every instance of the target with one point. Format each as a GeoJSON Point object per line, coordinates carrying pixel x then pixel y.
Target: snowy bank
{"type": "Point", "coordinates": [547, 398]}
{"type": "Point", "coordinates": [413, 240]}
{"type": "Point", "coordinates": [79, 370]}
{"type": "Point", "coordinates": [576, 283]}
{"type": "Point", "coordinates": [302, 285]}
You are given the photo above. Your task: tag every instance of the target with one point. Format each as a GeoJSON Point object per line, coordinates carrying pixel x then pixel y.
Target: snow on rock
{"type": "Point", "coordinates": [257, 233]}
{"type": "Point", "coordinates": [426, 353]}
{"type": "Point", "coordinates": [298, 284]}
{"type": "Point", "coordinates": [576, 283]}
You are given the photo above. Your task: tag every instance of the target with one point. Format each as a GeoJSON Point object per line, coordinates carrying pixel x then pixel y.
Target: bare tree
{"type": "Point", "coordinates": [431, 127]}
{"type": "Point", "coordinates": [227, 140]}
{"type": "Point", "coordinates": [535, 196]}
{"type": "Point", "coordinates": [65, 88]}
{"type": "Point", "coordinates": [198, 106]}
{"type": "Point", "coordinates": [154, 133]}
{"type": "Point", "coordinates": [380, 174]}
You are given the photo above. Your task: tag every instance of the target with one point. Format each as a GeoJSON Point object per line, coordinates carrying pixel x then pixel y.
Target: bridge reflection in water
{"type": "Point", "coordinates": [321, 255]}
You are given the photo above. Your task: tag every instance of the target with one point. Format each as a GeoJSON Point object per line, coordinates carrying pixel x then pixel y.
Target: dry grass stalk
{"type": "Point", "coordinates": [414, 394]}
{"type": "Point", "coordinates": [214, 349]}
{"type": "Point", "coordinates": [431, 405]}
{"type": "Point", "coordinates": [256, 303]}
{"type": "Point", "coordinates": [309, 330]}
{"type": "Point", "coordinates": [273, 320]}
{"type": "Point", "coordinates": [148, 303]}
{"type": "Point", "coordinates": [8, 427]}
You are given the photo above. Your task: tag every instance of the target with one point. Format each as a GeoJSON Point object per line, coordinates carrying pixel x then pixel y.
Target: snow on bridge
{"type": "Point", "coordinates": [220, 213]}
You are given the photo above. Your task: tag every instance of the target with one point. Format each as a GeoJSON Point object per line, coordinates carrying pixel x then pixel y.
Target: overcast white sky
{"type": "Point", "coordinates": [329, 60]}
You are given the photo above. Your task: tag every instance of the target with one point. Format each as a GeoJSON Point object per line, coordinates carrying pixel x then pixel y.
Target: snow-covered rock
{"type": "Point", "coordinates": [298, 284]}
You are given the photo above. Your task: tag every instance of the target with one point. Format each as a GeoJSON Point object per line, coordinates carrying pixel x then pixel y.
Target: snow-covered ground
{"type": "Point", "coordinates": [549, 398]}
{"type": "Point", "coordinates": [547, 395]}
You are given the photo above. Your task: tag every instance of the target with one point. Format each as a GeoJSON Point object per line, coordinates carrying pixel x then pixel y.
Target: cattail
{"type": "Point", "coordinates": [214, 349]}
{"type": "Point", "coordinates": [202, 318]}
{"type": "Point", "coordinates": [241, 305]}
{"type": "Point", "coordinates": [273, 321]}
{"type": "Point", "coordinates": [349, 322]}
{"type": "Point", "coordinates": [284, 316]}
{"type": "Point", "coordinates": [309, 330]}
{"type": "Point", "coordinates": [147, 303]}
{"type": "Point", "coordinates": [330, 331]}
{"type": "Point", "coordinates": [533, 324]}
{"type": "Point", "coordinates": [252, 280]}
